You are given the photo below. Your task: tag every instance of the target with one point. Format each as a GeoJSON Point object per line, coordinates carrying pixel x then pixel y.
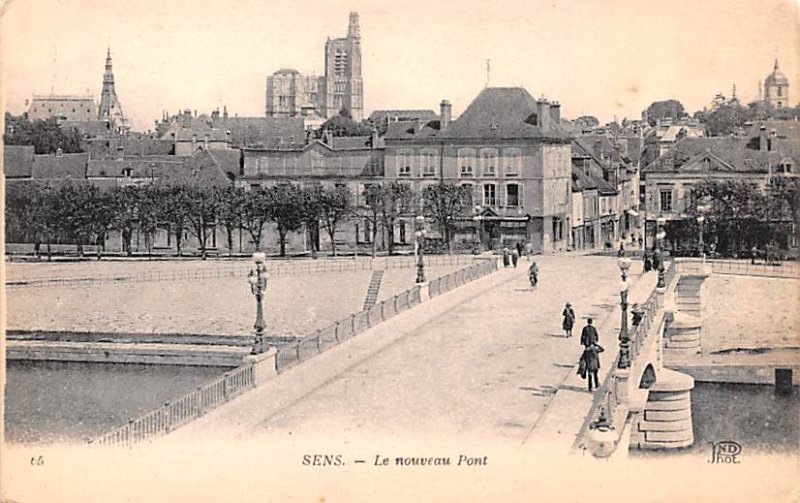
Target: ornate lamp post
{"type": "Point", "coordinates": [420, 235]}
{"type": "Point", "coordinates": [701, 218]}
{"type": "Point", "coordinates": [660, 234]}
{"type": "Point", "coordinates": [477, 218]}
{"type": "Point", "coordinates": [624, 361]}
{"type": "Point", "coordinates": [258, 285]}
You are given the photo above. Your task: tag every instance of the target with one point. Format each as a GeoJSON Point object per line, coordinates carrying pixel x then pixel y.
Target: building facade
{"type": "Point", "coordinates": [770, 149]}
{"type": "Point", "coordinates": [510, 153]}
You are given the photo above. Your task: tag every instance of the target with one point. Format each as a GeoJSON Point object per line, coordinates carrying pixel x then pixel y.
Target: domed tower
{"type": "Point", "coordinates": [776, 88]}
{"type": "Point", "coordinates": [110, 108]}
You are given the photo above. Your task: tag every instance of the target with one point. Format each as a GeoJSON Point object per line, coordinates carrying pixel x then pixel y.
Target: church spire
{"type": "Point", "coordinates": [776, 64]}
{"type": "Point", "coordinates": [110, 108]}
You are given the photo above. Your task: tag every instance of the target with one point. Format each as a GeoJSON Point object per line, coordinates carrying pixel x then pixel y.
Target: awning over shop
{"type": "Point", "coordinates": [633, 213]}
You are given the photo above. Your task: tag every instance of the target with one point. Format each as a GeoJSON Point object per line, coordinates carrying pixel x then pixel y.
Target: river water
{"type": "Point", "coordinates": [66, 401]}
{"type": "Point", "coordinates": [751, 415]}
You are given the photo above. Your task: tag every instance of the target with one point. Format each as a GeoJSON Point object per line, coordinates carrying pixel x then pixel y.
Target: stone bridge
{"type": "Point", "coordinates": [643, 404]}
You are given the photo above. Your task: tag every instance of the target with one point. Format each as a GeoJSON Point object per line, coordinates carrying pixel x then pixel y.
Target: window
{"type": "Point", "coordinates": [513, 162]}
{"type": "Point", "coordinates": [488, 162]}
{"type": "Point", "coordinates": [489, 195]}
{"type": "Point", "coordinates": [665, 197]}
{"type": "Point", "coordinates": [513, 195]}
{"type": "Point", "coordinates": [780, 91]}
{"type": "Point", "coordinates": [367, 231]}
{"type": "Point", "coordinates": [428, 162]}
{"type": "Point", "coordinates": [403, 231]}
{"type": "Point", "coordinates": [403, 164]}
{"type": "Point", "coordinates": [466, 162]}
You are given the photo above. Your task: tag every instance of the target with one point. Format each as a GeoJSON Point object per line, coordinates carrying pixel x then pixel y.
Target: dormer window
{"type": "Point", "coordinates": [126, 172]}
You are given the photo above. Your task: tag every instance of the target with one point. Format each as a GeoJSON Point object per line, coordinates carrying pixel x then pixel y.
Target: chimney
{"type": "Point", "coordinates": [373, 139]}
{"type": "Point", "coordinates": [59, 152]}
{"type": "Point", "coordinates": [194, 142]}
{"type": "Point", "coordinates": [555, 112]}
{"type": "Point", "coordinates": [773, 135]}
{"type": "Point", "coordinates": [120, 152]}
{"type": "Point", "coordinates": [762, 138]}
{"type": "Point", "coordinates": [445, 114]}
{"type": "Point", "coordinates": [327, 137]}
{"type": "Point", "coordinates": [205, 142]}
{"type": "Point", "coordinates": [543, 114]}
{"type": "Point", "coordinates": [598, 149]}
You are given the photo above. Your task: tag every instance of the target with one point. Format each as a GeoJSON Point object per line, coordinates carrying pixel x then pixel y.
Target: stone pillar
{"type": "Point", "coordinates": [666, 422]}
{"type": "Point", "coordinates": [263, 365]}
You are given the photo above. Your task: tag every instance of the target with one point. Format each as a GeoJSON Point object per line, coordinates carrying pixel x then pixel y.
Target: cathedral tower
{"type": "Point", "coordinates": [776, 88]}
{"type": "Point", "coordinates": [343, 86]}
{"type": "Point", "coordinates": [110, 108]}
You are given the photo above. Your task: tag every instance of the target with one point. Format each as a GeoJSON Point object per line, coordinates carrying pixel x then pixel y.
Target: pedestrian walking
{"type": "Point", "coordinates": [656, 260]}
{"type": "Point", "coordinates": [621, 251]}
{"type": "Point", "coordinates": [569, 319]}
{"type": "Point", "coordinates": [514, 257]}
{"type": "Point", "coordinates": [590, 364]}
{"type": "Point", "coordinates": [506, 257]}
{"type": "Point", "coordinates": [589, 334]}
{"type": "Point", "coordinates": [520, 249]}
{"type": "Point", "coordinates": [648, 261]}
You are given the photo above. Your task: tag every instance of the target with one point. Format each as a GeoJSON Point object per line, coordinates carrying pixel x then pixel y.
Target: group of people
{"type": "Point", "coordinates": [589, 363]}
{"type": "Point", "coordinates": [511, 257]}
{"type": "Point", "coordinates": [652, 261]}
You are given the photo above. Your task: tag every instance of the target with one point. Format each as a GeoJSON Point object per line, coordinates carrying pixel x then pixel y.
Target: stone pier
{"type": "Point", "coordinates": [683, 333]}
{"type": "Point", "coordinates": [666, 422]}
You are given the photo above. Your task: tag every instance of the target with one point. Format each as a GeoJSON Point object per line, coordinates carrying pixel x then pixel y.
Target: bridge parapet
{"type": "Point", "coordinates": [621, 387]}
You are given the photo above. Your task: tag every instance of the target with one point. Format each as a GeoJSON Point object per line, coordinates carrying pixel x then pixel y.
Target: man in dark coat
{"type": "Point", "coordinates": [648, 261]}
{"type": "Point", "coordinates": [590, 356]}
{"type": "Point", "coordinates": [589, 334]}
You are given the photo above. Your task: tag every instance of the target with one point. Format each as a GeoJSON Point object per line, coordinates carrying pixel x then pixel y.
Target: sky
{"type": "Point", "coordinates": [609, 58]}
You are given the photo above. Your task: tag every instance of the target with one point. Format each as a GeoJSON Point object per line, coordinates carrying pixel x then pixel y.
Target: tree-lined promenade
{"type": "Point", "coordinates": [83, 214]}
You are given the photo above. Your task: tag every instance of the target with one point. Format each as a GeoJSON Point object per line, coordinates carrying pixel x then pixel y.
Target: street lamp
{"type": "Point", "coordinates": [701, 218]}
{"type": "Point", "coordinates": [660, 234]}
{"type": "Point", "coordinates": [624, 361]}
{"type": "Point", "coordinates": [258, 285]}
{"type": "Point", "coordinates": [420, 235]}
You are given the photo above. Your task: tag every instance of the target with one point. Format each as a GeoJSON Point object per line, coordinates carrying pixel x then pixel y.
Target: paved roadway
{"type": "Point", "coordinates": [479, 362]}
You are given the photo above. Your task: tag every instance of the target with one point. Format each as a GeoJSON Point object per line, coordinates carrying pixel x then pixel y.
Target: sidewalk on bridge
{"type": "Point", "coordinates": [247, 411]}
{"type": "Point", "coordinates": [562, 421]}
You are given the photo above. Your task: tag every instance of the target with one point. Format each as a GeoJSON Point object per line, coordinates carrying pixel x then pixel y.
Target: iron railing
{"type": "Point", "coordinates": [743, 267]}
{"type": "Point", "coordinates": [180, 411]}
{"type": "Point", "coordinates": [235, 270]}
